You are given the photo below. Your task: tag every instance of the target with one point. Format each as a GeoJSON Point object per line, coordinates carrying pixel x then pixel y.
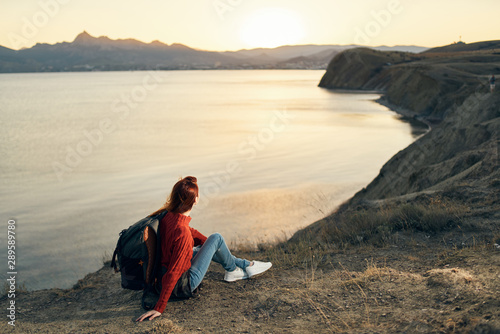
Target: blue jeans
{"type": "Point", "coordinates": [214, 249]}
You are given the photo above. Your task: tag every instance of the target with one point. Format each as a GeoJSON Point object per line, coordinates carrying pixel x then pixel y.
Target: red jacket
{"type": "Point", "coordinates": [177, 242]}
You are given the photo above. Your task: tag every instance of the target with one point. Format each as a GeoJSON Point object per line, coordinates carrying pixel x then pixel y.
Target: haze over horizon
{"type": "Point", "coordinates": [220, 25]}
{"type": "Point", "coordinates": [90, 36]}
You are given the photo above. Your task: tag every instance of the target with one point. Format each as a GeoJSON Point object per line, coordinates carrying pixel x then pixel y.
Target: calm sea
{"type": "Point", "coordinates": [84, 155]}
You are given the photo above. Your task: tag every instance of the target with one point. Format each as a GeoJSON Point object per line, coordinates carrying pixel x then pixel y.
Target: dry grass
{"type": "Point", "coordinates": [371, 274]}
{"type": "Point", "coordinates": [304, 254]}
{"type": "Point", "coordinates": [164, 326]}
{"type": "Point", "coordinates": [377, 225]}
{"type": "Point", "coordinates": [375, 299]}
{"type": "Point", "coordinates": [364, 227]}
{"type": "Point", "coordinates": [20, 288]}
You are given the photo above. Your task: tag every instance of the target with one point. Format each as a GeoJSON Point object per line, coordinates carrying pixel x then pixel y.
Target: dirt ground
{"type": "Point", "coordinates": [422, 284]}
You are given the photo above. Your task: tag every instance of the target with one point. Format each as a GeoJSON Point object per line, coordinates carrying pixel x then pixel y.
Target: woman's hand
{"type": "Point", "coordinates": [149, 314]}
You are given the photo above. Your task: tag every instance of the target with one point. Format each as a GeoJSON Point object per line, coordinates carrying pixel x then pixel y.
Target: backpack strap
{"type": "Point", "coordinates": [149, 298]}
{"type": "Point", "coordinates": [113, 260]}
{"type": "Point", "coordinates": [115, 253]}
{"type": "Point", "coordinates": [150, 294]}
{"type": "Point", "coordinates": [157, 265]}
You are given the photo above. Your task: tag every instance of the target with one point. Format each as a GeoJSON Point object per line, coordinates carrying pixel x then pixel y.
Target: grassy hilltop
{"type": "Point", "coordinates": [416, 251]}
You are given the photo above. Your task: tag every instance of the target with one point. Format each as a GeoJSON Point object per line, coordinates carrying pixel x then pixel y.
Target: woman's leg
{"type": "Point", "coordinates": [219, 258]}
{"type": "Point", "coordinates": [215, 249]}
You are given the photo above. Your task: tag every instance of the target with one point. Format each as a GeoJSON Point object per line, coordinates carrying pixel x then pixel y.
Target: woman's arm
{"type": "Point", "coordinates": [199, 239]}
{"type": "Point", "coordinates": [179, 263]}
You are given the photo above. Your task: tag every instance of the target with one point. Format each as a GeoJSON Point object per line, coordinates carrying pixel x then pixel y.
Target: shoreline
{"type": "Point", "coordinates": [354, 91]}
{"type": "Point", "coordinates": [405, 113]}
{"type": "Point", "coordinates": [408, 114]}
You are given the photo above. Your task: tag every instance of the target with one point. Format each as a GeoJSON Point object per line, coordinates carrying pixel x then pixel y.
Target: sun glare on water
{"type": "Point", "coordinates": [272, 27]}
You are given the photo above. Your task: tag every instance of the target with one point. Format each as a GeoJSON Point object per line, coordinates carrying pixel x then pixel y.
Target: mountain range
{"type": "Point", "coordinates": [88, 53]}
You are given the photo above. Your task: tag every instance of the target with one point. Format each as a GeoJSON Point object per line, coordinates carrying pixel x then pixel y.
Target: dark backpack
{"type": "Point", "coordinates": [137, 252]}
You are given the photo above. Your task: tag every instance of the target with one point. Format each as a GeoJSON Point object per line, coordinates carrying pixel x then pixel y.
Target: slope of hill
{"type": "Point", "coordinates": [459, 47]}
{"type": "Point", "coordinates": [441, 191]}
{"type": "Point", "coordinates": [458, 158]}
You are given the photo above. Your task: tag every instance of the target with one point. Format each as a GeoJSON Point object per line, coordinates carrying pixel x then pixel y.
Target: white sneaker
{"type": "Point", "coordinates": [235, 275]}
{"type": "Point", "coordinates": [258, 268]}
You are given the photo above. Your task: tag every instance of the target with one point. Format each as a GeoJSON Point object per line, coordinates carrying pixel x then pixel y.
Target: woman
{"type": "Point", "coordinates": [186, 253]}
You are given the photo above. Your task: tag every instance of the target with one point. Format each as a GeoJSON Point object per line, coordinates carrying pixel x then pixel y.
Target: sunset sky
{"type": "Point", "coordinates": [237, 24]}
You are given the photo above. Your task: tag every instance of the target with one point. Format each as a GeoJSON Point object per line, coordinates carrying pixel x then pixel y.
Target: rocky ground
{"type": "Point", "coordinates": [420, 284]}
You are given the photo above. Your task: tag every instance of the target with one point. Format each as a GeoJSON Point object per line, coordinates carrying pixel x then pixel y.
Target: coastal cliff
{"type": "Point", "coordinates": [448, 91]}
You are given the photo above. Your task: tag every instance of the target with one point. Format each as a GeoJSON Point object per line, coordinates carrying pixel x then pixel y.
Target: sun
{"type": "Point", "coordinates": [272, 27]}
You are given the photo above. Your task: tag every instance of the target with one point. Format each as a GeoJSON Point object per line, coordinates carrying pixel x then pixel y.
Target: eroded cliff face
{"type": "Point", "coordinates": [461, 151]}
{"type": "Point", "coordinates": [429, 85]}
{"type": "Point", "coordinates": [450, 91]}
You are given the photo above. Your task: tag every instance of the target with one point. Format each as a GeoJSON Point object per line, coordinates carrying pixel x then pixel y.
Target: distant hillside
{"type": "Point", "coordinates": [88, 53]}
{"type": "Point", "coordinates": [459, 47]}
{"type": "Point", "coordinates": [294, 51]}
